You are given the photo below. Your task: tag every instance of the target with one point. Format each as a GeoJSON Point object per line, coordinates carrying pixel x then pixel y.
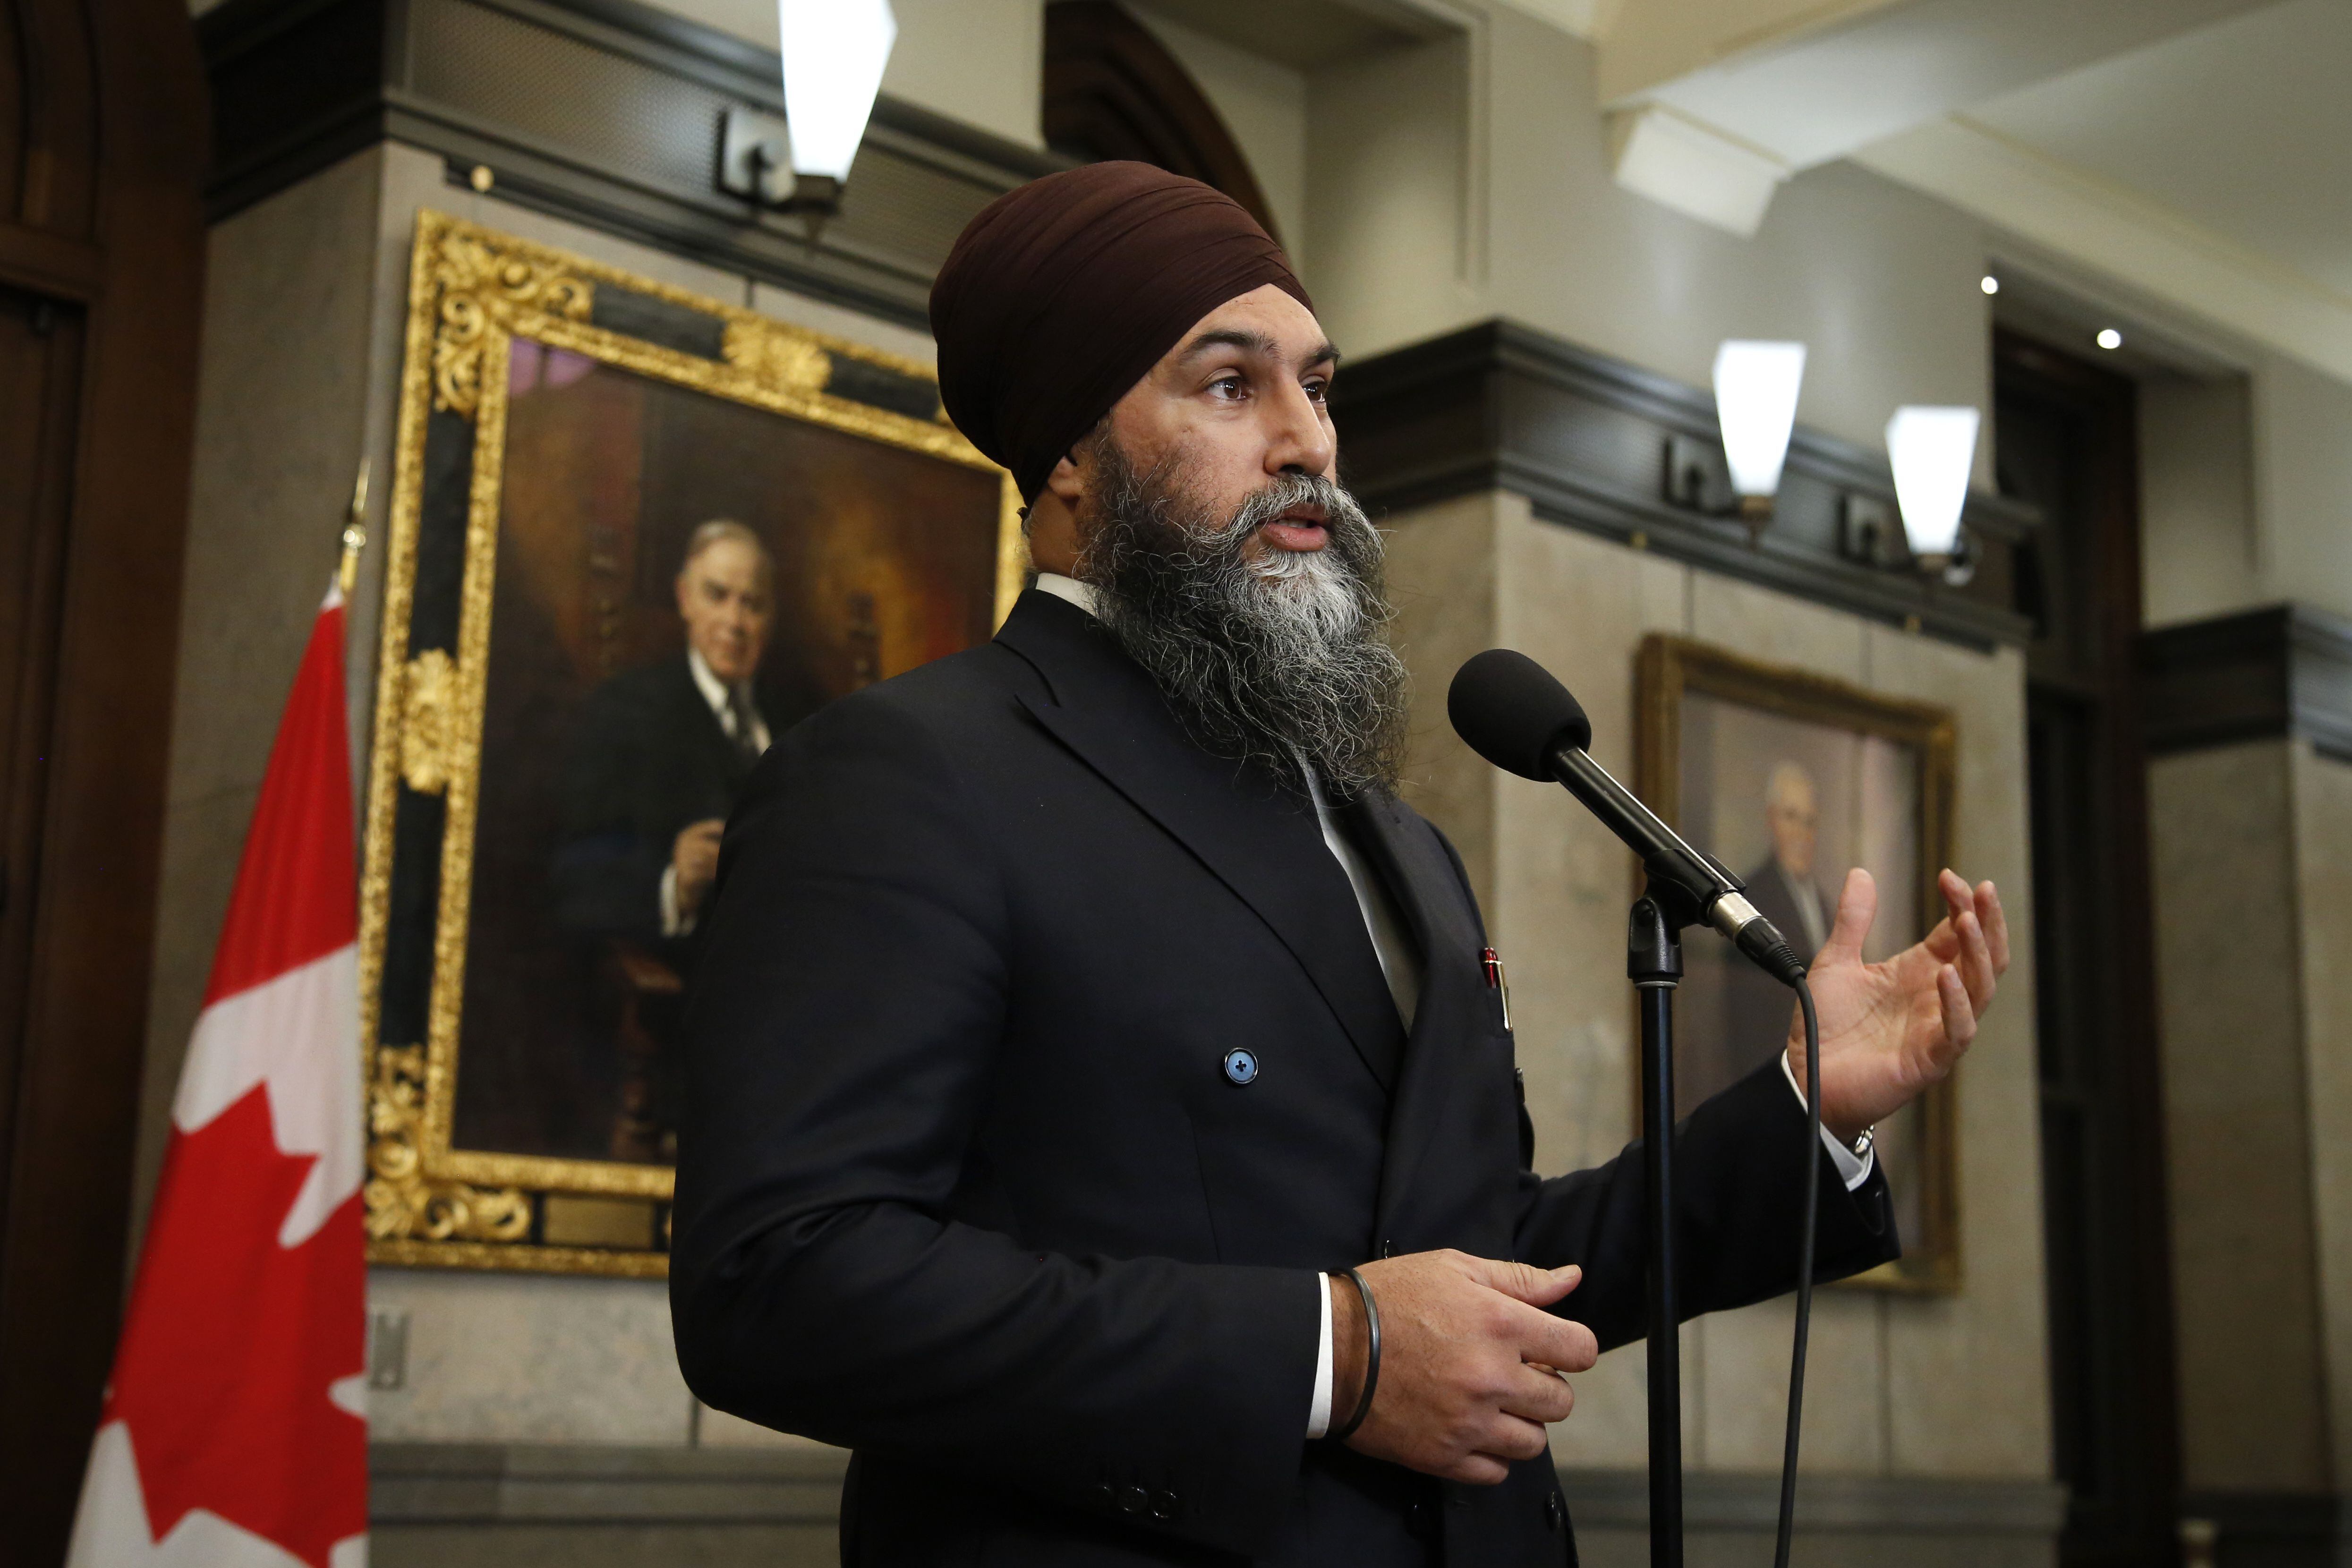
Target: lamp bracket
{"type": "Point", "coordinates": [755, 157]}
{"type": "Point", "coordinates": [1869, 535]}
{"type": "Point", "coordinates": [1697, 478]}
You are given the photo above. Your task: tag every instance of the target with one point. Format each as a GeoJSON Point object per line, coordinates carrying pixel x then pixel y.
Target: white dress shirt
{"type": "Point", "coordinates": [674, 921]}
{"type": "Point", "coordinates": [1808, 902]}
{"type": "Point", "coordinates": [1401, 966]}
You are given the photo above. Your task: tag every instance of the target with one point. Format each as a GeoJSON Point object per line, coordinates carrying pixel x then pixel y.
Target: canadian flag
{"type": "Point", "coordinates": [235, 1429]}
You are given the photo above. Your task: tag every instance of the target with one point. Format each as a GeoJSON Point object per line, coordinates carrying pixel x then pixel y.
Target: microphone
{"type": "Point", "coordinates": [1512, 713]}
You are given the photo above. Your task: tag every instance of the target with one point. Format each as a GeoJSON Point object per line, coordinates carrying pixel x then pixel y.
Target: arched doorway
{"type": "Point", "coordinates": [1113, 90]}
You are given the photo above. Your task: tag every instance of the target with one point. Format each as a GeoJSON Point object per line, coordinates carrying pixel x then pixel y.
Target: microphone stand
{"type": "Point", "coordinates": [1654, 962]}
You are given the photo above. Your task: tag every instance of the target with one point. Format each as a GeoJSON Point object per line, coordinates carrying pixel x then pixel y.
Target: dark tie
{"type": "Point", "coordinates": [738, 710]}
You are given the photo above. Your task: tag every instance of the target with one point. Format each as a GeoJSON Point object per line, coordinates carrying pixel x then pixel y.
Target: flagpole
{"type": "Point", "coordinates": [354, 533]}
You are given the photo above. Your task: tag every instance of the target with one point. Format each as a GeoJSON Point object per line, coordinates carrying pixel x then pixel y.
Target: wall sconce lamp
{"type": "Point", "coordinates": [1931, 450]}
{"type": "Point", "coordinates": [1756, 403]}
{"type": "Point", "coordinates": [833, 53]}
{"type": "Point", "coordinates": [1756, 409]}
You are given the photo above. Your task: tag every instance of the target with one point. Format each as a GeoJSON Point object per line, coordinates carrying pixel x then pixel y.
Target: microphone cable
{"type": "Point", "coordinates": [1804, 1269]}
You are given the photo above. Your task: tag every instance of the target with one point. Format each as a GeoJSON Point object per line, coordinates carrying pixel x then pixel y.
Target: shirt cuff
{"type": "Point", "coordinates": [675, 925]}
{"type": "Point", "coordinates": [1852, 1168]}
{"type": "Point", "coordinates": [1318, 1412]}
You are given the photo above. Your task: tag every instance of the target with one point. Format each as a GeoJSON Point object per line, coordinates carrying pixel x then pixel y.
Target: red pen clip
{"type": "Point", "coordinates": [1492, 963]}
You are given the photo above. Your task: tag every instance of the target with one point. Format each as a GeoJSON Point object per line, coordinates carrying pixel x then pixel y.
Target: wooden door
{"type": "Point", "coordinates": [2064, 438]}
{"type": "Point", "coordinates": [103, 137]}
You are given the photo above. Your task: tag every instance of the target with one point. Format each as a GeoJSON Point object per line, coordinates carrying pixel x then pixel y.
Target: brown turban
{"type": "Point", "coordinates": [1063, 293]}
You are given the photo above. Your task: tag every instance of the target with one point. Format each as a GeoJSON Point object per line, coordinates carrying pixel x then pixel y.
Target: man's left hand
{"type": "Point", "coordinates": [1890, 1029]}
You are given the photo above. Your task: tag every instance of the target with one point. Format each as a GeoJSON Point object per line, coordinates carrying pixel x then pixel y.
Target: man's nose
{"type": "Point", "coordinates": [1299, 441]}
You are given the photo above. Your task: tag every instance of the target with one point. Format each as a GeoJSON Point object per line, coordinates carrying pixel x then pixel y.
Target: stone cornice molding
{"type": "Point", "coordinates": [1499, 406]}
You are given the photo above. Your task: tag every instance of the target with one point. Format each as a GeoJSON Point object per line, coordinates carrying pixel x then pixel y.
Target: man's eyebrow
{"type": "Point", "coordinates": [1253, 342]}
{"type": "Point", "coordinates": [1231, 338]}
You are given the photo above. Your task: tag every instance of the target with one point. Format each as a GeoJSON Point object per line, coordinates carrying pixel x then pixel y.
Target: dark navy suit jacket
{"type": "Point", "coordinates": [963, 1183]}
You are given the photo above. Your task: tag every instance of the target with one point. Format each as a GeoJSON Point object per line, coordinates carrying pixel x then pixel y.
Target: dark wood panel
{"type": "Point", "coordinates": [1584, 437]}
{"type": "Point", "coordinates": [2274, 1529]}
{"type": "Point", "coordinates": [603, 111]}
{"type": "Point", "coordinates": [2065, 436]}
{"type": "Point", "coordinates": [53, 153]}
{"type": "Point", "coordinates": [2281, 669]}
{"type": "Point", "coordinates": [94, 506]}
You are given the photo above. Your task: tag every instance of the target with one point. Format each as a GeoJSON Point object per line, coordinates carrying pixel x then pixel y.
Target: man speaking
{"type": "Point", "coordinates": [1090, 1047]}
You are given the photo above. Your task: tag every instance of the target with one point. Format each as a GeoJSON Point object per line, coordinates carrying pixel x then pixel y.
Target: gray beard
{"type": "Point", "coordinates": [1281, 661]}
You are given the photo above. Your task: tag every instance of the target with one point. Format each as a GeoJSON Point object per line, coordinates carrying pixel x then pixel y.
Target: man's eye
{"type": "Point", "coordinates": [1228, 387]}
{"type": "Point", "coordinates": [1316, 391]}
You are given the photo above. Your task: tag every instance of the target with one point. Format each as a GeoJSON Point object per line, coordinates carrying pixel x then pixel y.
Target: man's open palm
{"type": "Point", "coordinates": [1890, 1029]}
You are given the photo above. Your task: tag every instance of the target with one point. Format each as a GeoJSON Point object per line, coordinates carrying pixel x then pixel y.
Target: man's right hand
{"type": "Point", "coordinates": [1463, 1345]}
{"type": "Point", "coordinates": [694, 858]}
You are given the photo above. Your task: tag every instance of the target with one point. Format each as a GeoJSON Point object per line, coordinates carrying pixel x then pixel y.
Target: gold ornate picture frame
{"type": "Point", "coordinates": [1767, 766]}
{"type": "Point", "coordinates": [489, 314]}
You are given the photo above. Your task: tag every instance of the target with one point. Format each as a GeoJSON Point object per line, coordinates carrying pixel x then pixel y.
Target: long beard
{"type": "Point", "coordinates": [1281, 660]}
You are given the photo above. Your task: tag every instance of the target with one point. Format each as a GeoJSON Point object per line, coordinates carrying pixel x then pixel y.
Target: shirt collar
{"type": "Point", "coordinates": [706, 680]}
{"type": "Point", "coordinates": [1082, 595]}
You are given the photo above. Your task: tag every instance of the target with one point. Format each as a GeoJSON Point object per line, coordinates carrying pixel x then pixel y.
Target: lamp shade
{"type": "Point", "coordinates": [834, 54]}
{"type": "Point", "coordinates": [1932, 450]}
{"type": "Point", "coordinates": [1756, 402]}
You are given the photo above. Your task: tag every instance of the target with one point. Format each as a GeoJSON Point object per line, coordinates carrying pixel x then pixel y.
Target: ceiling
{"type": "Point", "coordinates": [2244, 126]}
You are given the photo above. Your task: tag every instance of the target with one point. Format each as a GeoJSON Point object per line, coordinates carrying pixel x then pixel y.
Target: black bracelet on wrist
{"type": "Point", "coordinates": [1371, 1360]}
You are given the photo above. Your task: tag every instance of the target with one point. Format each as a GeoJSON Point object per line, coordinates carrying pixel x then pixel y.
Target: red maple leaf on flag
{"type": "Point", "coordinates": [222, 1376]}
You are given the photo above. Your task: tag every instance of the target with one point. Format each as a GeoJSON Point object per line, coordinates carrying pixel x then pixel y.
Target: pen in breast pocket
{"type": "Point", "coordinates": [1492, 963]}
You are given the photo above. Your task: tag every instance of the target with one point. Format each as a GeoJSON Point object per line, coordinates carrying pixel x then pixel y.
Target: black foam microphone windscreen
{"type": "Point", "coordinates": [1513, 714]}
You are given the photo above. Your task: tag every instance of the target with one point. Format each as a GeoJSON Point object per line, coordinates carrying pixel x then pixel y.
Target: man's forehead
{"type": "Point", "coordinates": [1266, 321]}
{"type": "Point", "coordinates": [728, 557]}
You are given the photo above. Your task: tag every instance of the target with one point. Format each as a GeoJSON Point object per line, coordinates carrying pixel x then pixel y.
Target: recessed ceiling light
{"type": "Point", "coordinates": [2109, 338]}
{"type": "Point", "coordinates": [1989, 284]}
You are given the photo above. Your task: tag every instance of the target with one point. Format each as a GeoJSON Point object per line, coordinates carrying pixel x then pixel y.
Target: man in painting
{"type": "Point", "coordinates": [660, 753]}
{"type": "Point", "coordinates": [1783, 890]}
{"type": "Point", "coordinates": [1089, 1042]}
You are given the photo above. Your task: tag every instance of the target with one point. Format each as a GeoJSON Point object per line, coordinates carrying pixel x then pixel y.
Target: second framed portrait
{"type": "Point", "coordinates": [1790, 779]}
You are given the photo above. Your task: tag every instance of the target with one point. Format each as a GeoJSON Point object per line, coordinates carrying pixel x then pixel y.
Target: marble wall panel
{"type": "Point", "coordinates": [718, 1429]}
{"type": "Point", "coordinates": [1968, 1385]}
{"type": "Point", "coordinates": [1776, 627]}
{"type": "Point", "coordinates": [1745, 1392]}
{"type": "Point", "coordinates": [2222, 841]}
{"type": "Point", "coordinates": [1441, 573]}
{"type": "Point", "coordinates": [281, 383]}
{"type": "Point", "coordinates": [2323, 793]}
{"type": "Point", "coordinates": [530, 1358]}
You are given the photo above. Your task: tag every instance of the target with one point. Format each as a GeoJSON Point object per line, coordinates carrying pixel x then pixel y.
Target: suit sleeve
{"type": "Point", "coordinates": [842, 1044]}
{"type": "Point", "coordinates": [1740, 1165]}
{"type": "Point", "coordinates": [1741, 1161]}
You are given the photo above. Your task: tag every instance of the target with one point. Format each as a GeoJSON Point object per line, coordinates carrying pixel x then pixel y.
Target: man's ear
{"type": "Point", "coordinates": [1067, 482]}
{"type": "Point", "coordinates": [1053, 521]}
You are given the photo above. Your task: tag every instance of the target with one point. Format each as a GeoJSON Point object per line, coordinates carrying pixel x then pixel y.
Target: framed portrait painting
{"type": "Point", "coordinates": [635, 536]}
{"type": "Point", "coordinates": [1790, 779]}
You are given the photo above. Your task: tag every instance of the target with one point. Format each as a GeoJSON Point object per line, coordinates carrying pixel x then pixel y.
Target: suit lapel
{"type": "Point", "coordinates": [1253, 835]}
{"type": "Point", "coordinates": [1427, 894]}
